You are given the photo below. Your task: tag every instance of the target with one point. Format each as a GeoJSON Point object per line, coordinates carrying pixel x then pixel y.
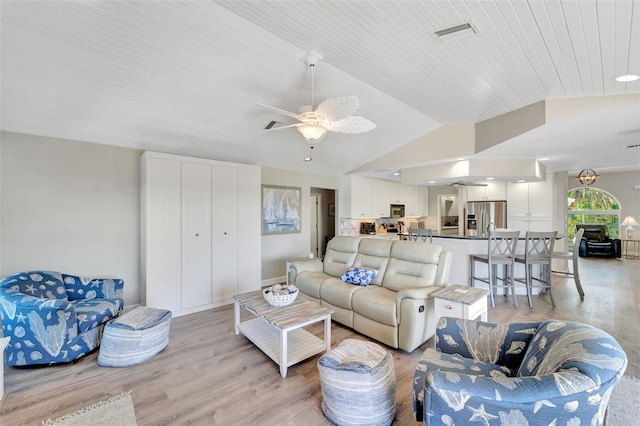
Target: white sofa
{"type": "Point", "coordinates": [396, 308]}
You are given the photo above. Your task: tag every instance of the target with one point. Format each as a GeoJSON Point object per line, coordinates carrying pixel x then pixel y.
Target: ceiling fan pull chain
{"type": "Point", "coordinates": [312, 66]}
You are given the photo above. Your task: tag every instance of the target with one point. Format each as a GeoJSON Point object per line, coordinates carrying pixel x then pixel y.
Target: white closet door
{"type": "Point", "coordinates": [249, 233]}
{"type": "Point", "coordinates": [225, 232]}
{"type": "Point", "coordinates": [196, 235]}
{"type": "Point", "coordinates": [162, 233]}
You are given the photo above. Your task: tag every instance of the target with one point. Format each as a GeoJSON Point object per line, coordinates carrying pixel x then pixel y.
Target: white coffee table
{"type": "Point", "coordinates": [278, 330]}
{"type": "Point", "coordinates": [461, 301]}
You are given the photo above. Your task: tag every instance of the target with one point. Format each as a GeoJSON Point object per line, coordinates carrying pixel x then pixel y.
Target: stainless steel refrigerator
{"type": "Point", "coordinates": [480, 216]}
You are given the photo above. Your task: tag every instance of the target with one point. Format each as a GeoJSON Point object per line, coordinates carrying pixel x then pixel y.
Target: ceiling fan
{"type": "Point", "coordinates": [333, 114]}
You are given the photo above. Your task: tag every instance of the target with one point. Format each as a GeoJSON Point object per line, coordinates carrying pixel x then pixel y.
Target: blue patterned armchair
{"type": "Point", "coordinates": [53, 317]}
{"type": "Point", "coordinates": [542, 373]}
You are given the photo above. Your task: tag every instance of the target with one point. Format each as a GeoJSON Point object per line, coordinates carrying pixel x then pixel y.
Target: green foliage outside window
{"type": "Point", "coordinates": [591, 205]}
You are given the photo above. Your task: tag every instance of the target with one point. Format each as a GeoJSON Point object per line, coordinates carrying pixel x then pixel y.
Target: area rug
{"type": "Point", "coordinates": [116, 411]}
{"type": "Point", "coordinates": [624, 403]}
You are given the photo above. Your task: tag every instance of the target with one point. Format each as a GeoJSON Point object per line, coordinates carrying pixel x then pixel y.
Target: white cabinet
{"type": "Point", "coordinates": [381, 196]}
{"type": "Point", "coordinates": [530, 205]}
{"type": "Point", "coordinates": [495, 190]}
{"type": "Point", "coordinates": [200, 225]}
{"type": "Point", "coordinates": [361, 196]}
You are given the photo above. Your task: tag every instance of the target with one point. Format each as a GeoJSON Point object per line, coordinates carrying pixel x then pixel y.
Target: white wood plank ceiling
{"type": "Point", "coordinates": [186, 76]}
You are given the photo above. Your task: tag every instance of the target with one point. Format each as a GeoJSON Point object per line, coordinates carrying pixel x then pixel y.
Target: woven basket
{"type": "Point", "coordinates": [277, 300]}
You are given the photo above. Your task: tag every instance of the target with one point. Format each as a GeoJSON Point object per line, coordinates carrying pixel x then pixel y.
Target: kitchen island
{"type": "Point", "coordinates": [462, 246]}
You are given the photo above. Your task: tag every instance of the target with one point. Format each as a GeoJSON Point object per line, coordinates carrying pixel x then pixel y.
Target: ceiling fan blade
{"type": "Point", "coordinates": [351, 125]}
{"type": "Point", "coordinates": [280, 127]}
{"type": "Point", "coordinates": [282, 111]}
{"type": "Point", "coordinates": [339, 108]}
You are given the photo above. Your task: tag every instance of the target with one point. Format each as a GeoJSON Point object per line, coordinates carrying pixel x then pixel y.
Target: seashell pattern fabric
{"type": "Point", "coordinates": [53, 317]}
{"type": "Point", "coordinates": [544, 373]}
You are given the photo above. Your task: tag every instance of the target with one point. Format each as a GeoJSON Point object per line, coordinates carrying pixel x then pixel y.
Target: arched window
{"type": "Point", "coordinates": [592, 205]}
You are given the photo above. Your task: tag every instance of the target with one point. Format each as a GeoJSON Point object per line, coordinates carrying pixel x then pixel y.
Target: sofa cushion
{"type": "Point", "coordinates": [341, 252]}
{"type": "Point", "coordinates": [374, 253]}
{"type": "Point", "coordinates": [92, 313]}
{"type": "Point", "coordinates": [377, 304]}
{"type": "Point", "coordinates": [338, 293]}
{"type": "Point", "coordinates": [38, 284]}
{"type": "Point", "coordinates": [412, 264]}
{"type": "Point", "coordinates": [359, 276]}
{"type": "Point", "coordinates": [309, 282]}
{"type": "Point", "coordinates": [565, 345]}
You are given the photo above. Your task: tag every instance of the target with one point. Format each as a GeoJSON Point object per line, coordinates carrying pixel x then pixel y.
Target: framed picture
{"type": "Point", "coordinates": [332, 210]}
{"type": "Point", "coordinates": [280, 210]}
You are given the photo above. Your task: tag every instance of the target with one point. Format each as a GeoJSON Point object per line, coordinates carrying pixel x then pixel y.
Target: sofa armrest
{"type": "Point", "coordinates": [26, 301]}
{"type": "Point", "coordinates": [513, 390]}
{"type": "Point", "coordinates": [418, 293]}
{"type": "Point", "coordinates": [305, 266]}
{"type": "Point", "coordinates": [93, 288]}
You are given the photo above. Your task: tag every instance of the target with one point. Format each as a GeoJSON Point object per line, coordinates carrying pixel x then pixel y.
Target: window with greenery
{"type": "Point", "coordinates": [592, 205]}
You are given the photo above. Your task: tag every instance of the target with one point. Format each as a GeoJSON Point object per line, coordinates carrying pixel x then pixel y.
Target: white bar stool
{"type": "Point", "coordinates": [416, 234]}
{"type": "Point", "coordinates": [573, 256]}
{"type": "Point", "coordinates": [538, 247]}
{"type": "Point", "coordinates": [501, 250]}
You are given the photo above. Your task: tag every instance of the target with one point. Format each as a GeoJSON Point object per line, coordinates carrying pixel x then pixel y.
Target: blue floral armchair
{"type": "Point", "coordinates": [542, 373]}
{"type": "Point", "coordinates": [53, 317]}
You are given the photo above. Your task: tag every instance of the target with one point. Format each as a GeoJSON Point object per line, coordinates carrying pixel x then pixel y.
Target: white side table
{"type": "Point", "coordinates": [4, 341]}
{"type": "Point", "coordinates": [460, 301]}
{"type": "Point", "coordinates": [635, 251]}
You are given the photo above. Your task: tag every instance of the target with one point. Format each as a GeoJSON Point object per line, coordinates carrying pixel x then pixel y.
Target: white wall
{"type": "Point", "coordinates": [72, 207]}
{"type": "Point", "coordinates": [277, 248]}
{"type": "Point", "coordinates": [620, 185]}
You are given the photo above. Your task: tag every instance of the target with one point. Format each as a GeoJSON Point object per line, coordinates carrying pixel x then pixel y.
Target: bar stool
{"type": "Point", "coordinates": [538, 247]}
{"type": "Point", "coordinates": [501, 251]}
{"type": "Point", "coordinates": [416, 234]}
{"type": "Point", "coordinates": [573, 256]}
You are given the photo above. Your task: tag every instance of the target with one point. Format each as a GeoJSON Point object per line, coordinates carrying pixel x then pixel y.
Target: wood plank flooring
{"type": "Point", "coordinates": [208, 375]}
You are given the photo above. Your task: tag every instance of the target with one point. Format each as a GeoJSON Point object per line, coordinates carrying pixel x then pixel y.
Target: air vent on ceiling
{"type": "Point", "coordinates": [271, 124]}
{"type": "Point", "coordinates": [455, 32]}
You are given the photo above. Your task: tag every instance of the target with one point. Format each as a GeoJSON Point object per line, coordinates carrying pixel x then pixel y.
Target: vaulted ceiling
{"type": "Point", "coordinates": [186, 77]}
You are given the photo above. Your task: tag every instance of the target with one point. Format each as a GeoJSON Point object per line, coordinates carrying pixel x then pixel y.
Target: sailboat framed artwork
{"type": "Point", "coordinates": [280, 210]}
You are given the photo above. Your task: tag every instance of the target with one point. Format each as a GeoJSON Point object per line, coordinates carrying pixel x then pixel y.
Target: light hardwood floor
{"type": "Point", "coordinates": [208, 375]}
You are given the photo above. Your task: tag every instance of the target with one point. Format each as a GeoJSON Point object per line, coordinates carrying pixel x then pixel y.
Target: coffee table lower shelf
{"type": "Point", "coordinates": [298, 344]}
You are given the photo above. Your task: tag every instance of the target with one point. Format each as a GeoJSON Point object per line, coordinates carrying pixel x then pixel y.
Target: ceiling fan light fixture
{"type": "Point", "coordinates": [312, 132]}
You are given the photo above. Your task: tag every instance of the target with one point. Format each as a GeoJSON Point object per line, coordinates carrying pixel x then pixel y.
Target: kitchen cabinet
{"type": "Point", "coordinates": [373, 197]}
{"type": "Point", "coordinates": [495, 190]}
{"type": "Point", "coordinates": [200, 226]}
{"type": "Point", "coordinates": [530, 205]}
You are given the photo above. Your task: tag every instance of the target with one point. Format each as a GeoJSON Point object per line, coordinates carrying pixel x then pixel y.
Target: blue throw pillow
{"type": "Point", "coordinates": [359, 276]}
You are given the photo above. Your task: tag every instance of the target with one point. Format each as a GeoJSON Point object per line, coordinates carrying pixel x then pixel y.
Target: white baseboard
{"type": "Point", "coordinates": [272, 281]}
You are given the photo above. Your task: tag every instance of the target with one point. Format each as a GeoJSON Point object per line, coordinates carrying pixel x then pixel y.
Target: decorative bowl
{"type": "Point", "coordinates": [274, 297]}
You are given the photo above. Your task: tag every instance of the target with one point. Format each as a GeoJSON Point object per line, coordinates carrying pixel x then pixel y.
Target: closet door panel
{"type": "Point", "coordinates": [196, 235]}
{"type": "Point", "coordinates": [162, 234]}
{"type": "Point", "coordinates": [225, 232]}
{"type": "Point", "coordinates": [249, 234]}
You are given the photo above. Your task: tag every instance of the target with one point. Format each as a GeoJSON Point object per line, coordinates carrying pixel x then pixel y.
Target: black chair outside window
{"type": "Point", "coordinates": [597, 242]}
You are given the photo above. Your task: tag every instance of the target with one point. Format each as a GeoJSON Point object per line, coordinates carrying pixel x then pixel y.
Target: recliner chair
{"type": "Point", "coordinates": [596, 242]}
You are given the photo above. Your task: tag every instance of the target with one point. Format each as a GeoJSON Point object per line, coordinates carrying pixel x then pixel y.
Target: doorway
{"type": "Point", "coordinates": [322, 221]}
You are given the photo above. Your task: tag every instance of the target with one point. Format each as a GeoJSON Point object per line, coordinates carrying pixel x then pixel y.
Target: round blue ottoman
{"type": "Point", "coordinates": [134, 337]}
{"type": "Point", "coordinates": [358, 384]}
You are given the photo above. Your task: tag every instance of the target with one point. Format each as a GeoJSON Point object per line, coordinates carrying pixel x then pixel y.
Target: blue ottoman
{"type": "Point", "coordinates": [134, 337]}
{"type": "Point", "coordinates": [358, 384]}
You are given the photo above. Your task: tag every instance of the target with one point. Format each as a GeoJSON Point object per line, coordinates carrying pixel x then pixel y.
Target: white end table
{"type": "Point", "coordinates": [635, 252]}
{"type": "Point", "coordinates": [4, 341]}
{"type": "Point", "coordinates": [461, 301]}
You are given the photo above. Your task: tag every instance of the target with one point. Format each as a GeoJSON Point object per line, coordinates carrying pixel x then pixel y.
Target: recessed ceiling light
{"type": "Point", "coordinates": [308, 159]}
{"type": "Point", "coordinates": [627, 78]}
{"type": "Point", "coordinates": [521, 181]}
{"type": "Point", "coordinates": [490, 178]}
{"type": "Point", "coordinates": [544, 159]}
{"type": "Point", "coordinates": [396, 173]}
{"type": "Point", "coordinates": [432, 181]}
{"type": "Point", "coordinates": [633, 146]}
{"type": "Point", "coordinates": [460, 159]}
